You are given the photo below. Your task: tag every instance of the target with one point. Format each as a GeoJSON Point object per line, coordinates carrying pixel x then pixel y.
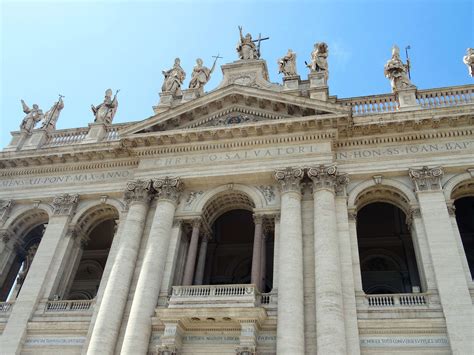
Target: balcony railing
{"type": "Point", "coordinates": [61, 138]}
{"type": "Point", "coordinates": [397, 300]}
{"type": "Point", "coordinates": [445, 97]}
{"type": "Point", "coordinates": [5, 307]}
{"type": "Point", "coordinates": [69, 306]}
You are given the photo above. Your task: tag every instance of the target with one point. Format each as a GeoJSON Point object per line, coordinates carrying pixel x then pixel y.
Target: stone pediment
{"type": "Point", "coordinates": [234, 105]}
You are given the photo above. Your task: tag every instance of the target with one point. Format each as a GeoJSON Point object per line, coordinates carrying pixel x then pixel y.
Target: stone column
{"type": "Point", "coordinates": [290, 323]}
{"type": "Point", "coordinates": [257, 251]}
{"type": "Point", "coordinates": [263, 261]}
{"type": "Point", "coordinates": [192, 252]}
{"type": "Point", "coordinates": [352, 220]}
{"type": "Point", "coordinates": [114, 299]}
{"type": "Point", "coordinates": [462, 253]}
{"type": "Point", "coordinates": [47, 256]}
{"type": "Point", "coordinates": [276, 247]}
{"type": "Point", "coordinates": [201, 261]}
{"type": "Point", "coordinates": [330, 328]}
{"type": "Point", "coordinates": [138, 330]}
{"type": "Point", "coordinates": [448, 270]}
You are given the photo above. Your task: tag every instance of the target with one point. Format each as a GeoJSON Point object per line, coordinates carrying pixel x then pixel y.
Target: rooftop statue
{"type": "Point", "coordinates": [247, 48]}
{"type": "Point", "coordinates": [319, 58]}
{"type": "Point", "coordinates": [468, 59]}
{"type": "Point", "coordinates": [396, 71]}
{"type": "Point", "coordinates": [33, 116]}
{"type": "Point", "coordinates": [201, 74]}
{"type": "Point", "coordinates": [51, 116]}
{"type": "Point", "coordinates": [287, 64]}
{"type": "Point", "coordinates": [105, 112]}
{"type": "Point", "coordinates": [174, 78]}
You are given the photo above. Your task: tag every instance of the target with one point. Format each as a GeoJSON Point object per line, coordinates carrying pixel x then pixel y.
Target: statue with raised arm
{"type": "Point", "coordinates": [319, 58]}
{"type": "Point", "coordinates": [105, 112]}
{"type": "Point", "coordinates": [287, 64]}
{"type": "Point", "coordinates": [201, 74]}
{"type": "Point", "coordinates": [33, 116]}
{"type": "Point", "coordinates": [396, 71]}
{"type": "Point", "coordinates": [246, 47]}
{"type": "Point", "coordinates": [51, 116]}
{"type": "Point", "coordinates": [468, 59]}
{"type": "Point", "coordinates": [174, 78]}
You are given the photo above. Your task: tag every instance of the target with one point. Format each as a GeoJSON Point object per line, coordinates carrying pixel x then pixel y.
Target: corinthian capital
{"type": "Point", "coordinates": [168, 188]}
{"type": "Point", "coordinates": [65, 204]}
{"type": "Point", "coordinates": [327, 177]}
{"type": "Point", "coordinates": [138, 190]}
{"type": "Point", "coordinates": [426, 178]}
{"type": "Point", "coordinates": [289, 179]}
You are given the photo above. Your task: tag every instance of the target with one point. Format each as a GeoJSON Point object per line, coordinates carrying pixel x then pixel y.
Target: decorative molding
{"type": "Point", "coordinates": [377, 179]}
{"type": "Point", "coordinates": [65, 204]}
{"type": "Point", "coordinates": [289, 179]}
{"type": "Point", "coordinates": [168, 188]}
{"type": "Point", "coordinates": [5, 235]}
{"type": "Point", "coordinates": [5, 208]}
{"type": "Point", "coordinates": [245, 350]}
{"type": "Point", "coordinates": [426, 178]}
{"type": "Point", "coordinates": [192, 195]}
{"type": "Point", "coordinates": [451, 209]}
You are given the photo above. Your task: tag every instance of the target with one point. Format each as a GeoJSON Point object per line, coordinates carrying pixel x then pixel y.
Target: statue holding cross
{"type": "Point", "coordinates": [247, 48]}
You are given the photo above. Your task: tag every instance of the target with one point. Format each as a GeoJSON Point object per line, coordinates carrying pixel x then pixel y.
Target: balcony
{"type": "Point", "coordinates": [69, 306]}
{"type": "Point", "coordinates": [405, 300]}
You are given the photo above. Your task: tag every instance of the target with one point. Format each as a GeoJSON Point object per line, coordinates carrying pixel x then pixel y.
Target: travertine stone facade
{"type": "Point", "coordinates": [140, 206]}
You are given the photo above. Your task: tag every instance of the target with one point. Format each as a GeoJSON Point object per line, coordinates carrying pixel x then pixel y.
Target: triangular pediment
{"type": "Point", "coordinates": [234, 105]}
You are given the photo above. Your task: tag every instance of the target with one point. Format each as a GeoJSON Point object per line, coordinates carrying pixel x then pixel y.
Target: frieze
{"type": "Point", "coordinates": [67, 179]}
{"type": "Point", "coordinates": [397, 341]}
{"type": "Point", "coordinates": [55, 341]}
{"type": "Point", "coordinates": [402, 150]}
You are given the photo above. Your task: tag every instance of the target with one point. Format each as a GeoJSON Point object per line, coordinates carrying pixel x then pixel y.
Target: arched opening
{"type": "Point", "coordinates": [82, 277]}
{"type": "Point", "coordinates": [465, 221]}
{"type": "Point", "coordinates": [27, 232]}
{"type": "Point", "coordinates": [388, 262]}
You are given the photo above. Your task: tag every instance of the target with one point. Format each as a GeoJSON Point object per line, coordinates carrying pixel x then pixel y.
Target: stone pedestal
{"type": "Point", "coordinates": [407, 99]}
{"type": "Point", "coordinates": [191, 94]}
{"type": "Point", "coordinates": [96, 133]}
{"type": "Point", "coordinates": [318, 86]}
{"type": "Point", "coordinates": [17, 141]}
{"type": "Point", "coordinates": [166, 101]}
{"type": "Point", "coordinates": [252, 72]}
{"type": "Point", "coordinates": [36, 139]}
{"type": "Point", "coordinates": [291, 83]}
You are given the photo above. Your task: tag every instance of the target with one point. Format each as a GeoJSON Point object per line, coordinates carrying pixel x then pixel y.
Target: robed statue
{"type": "Point", "coordinates": [396, 71]}
{"type": "Point", "coordinates": [51, 116]}
{"type": "Point", "coordinates": [105, 112]}
{"type": "Point", "coordinates": [246, 47]}
{"type": "Point", "coordinates": [287, 64]}
{"type": "Point", "coordinates": [201, 74]}
{"type": "Point", "coordinates": [174, 78]}
{"type": "Point", "coordinates": [33, 116]}
{"type": "Point", "coordinates": [319, 58]}
{"type": "Point", "coordinates": [468, 59]}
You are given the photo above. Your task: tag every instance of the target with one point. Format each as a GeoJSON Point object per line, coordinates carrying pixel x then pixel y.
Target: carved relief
{"type": "Point", "coordinates": [426, 178]}
{"type": "Point", "coordinates": [168, 188]}
{"type": "Point", "coordinates": [65, 204]}
{"type": "Point", "coordinates": [267, 192]}
{"type": "Point", "coordinates": [289, 179]}
{"type": "Point", "coordinates": [192, 196]}
{"type": "Point", "coordinates": [5, 208]}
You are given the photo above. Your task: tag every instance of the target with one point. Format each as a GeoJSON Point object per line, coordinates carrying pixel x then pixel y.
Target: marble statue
{"type": "Point", "coordinates": [396, 71]}
{"type": "Point", "coordinates": [287, 64]}
{"type": "Point", "coordinates": [201, 75]}
{"type": "Point", "coordinates": [33, 116]}
{"type": "Point", "coordinates": [319, 58]}
{"type": "Point", "coordinates": [51, 116]}
{"type": "Point", "coordinates": [105, 112]}
{"type": "Point", "coordinates": [246, 47]}
{"type": "Point", "coordinates": [468, 59]}
{"type": "Point", "coordinates": [174, 78]}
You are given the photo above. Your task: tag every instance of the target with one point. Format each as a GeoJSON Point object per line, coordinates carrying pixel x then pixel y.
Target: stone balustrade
{"type": "Point", "coordinates": [397, 300]}
{"type": "Point", "coordinates": [69, 305]}
{"type": "Point", "coordinates": [5, 307]}
{"type": "Point", "coordinates": [61, 138]}
{"type": "Point", "coordinates": [370, 105]}
{"type": "Point", "coordinates": [445, 97]}
{"type": "Point", "coordinates": [112, 134]}
{"type": "Point", "coordinates": [215, 296]}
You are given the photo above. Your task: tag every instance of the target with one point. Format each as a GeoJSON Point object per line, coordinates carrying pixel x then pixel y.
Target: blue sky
{"type": "Point", "coordinates": [81, 48]}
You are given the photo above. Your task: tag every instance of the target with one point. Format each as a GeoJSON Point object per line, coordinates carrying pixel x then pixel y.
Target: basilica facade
{"type": "Point", "coordinates": [256, 218]}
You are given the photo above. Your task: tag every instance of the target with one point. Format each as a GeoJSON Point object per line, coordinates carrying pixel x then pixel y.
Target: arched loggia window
{"type": "Point", "coordinates": [387, 257]}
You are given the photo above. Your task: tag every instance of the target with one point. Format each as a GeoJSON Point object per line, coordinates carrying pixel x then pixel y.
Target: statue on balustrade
{"type": "Point", "coordinates": [468, 59]}
{"type": "Point", "coordinates": [33, 116]}
{"type": "Point", "coordinates": [319, 58]}
{"type": "Point", "coordinates": [105, 112]}
{"type": "Point", "coordinates": [397, 72]}
{"type": "Point", "coordinates": [287, 64]}
{"type": "Point", "coordinates": [201, 75]}
{"type": "Point", "coordinates": [51, 116]}
{"type": "Point", "coordinates": [174, 78]}
{"type": "Point", "coordinates": [246, 47]}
